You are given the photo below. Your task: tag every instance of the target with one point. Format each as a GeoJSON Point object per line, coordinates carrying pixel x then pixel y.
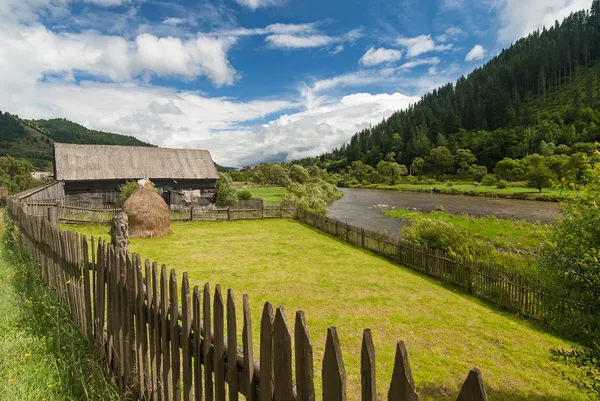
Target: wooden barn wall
{"type": "Point", "coordinates": [53, 192]}
{"type": "Point", "coordinates": [107, 192]}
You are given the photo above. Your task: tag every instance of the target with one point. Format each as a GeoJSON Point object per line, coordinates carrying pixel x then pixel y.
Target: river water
{"type": "Point", "coordinates": [359, 207]}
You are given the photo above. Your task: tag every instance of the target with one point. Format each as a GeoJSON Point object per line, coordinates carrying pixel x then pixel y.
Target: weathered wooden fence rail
{"type": "Point", "coordinates": [506, 288]}
{"type": "Point", "coordinates": [81, 213]}
{"type": "Point", "coordinates": [166, 341]}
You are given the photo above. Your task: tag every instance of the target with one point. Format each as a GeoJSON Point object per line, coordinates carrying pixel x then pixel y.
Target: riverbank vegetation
{"type": "Point", "coordinates": [311, 188]}
{"type": "Point", "coordinates": [506, 234]}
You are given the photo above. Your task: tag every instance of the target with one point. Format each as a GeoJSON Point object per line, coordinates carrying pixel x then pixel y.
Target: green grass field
{"type": "Point", "coordinates": [446, 332]}
{"type": "Point", "coordinates": [503, 233]}
{"type": "Point", "coordinates": [272, 194]}
{"type": "Point", "coordinates": [483, 190]}
{"type": "Point", "coordinates": [43, 355]}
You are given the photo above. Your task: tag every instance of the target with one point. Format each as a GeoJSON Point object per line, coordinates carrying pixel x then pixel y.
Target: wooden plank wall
{"type": "Point", "coordinates": [166, 341]}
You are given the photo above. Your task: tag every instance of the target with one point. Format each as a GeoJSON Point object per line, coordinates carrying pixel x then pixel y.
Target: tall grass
{"type": "Point", "coordinates": [43, 355]}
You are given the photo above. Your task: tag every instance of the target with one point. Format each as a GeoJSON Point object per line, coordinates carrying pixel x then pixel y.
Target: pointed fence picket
{"type": "Point", "coordinates": [163, 343]}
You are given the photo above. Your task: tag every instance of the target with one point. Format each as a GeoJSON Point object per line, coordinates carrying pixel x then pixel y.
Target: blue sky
{"type": "Point", "coordinates": [249, 80]}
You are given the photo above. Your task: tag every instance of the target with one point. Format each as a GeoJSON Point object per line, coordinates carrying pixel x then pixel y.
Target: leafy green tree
{"type": "Point", "coordinates": [439, 161]}
{"type": "Point", "coordinates": [391, 170]}
{"type": "Point", "coordinates": [298, 174]}
{"type": "Point", "coordinates": [509, 169]}
{"type": "Point", "coordinates": [578, 168]}
{"type": "Point", "coordinates": [570, 262]}
{"type": "Point", "coordinates": [464, 159]}
{"type": "Point", "coordinates": [539, 175]}
{"type": "Point", "coordinates": [477, 172]}
{"type": "Point", "coordinates": [226, 193]}
{"type": "Point", "coordinates": [15, 174]}
{"type": "Point", "coordinates": [417, 166]}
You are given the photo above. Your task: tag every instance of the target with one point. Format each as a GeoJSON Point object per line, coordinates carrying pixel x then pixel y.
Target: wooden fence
{"type": "Point", "coordinates": [166, 341]}
{"type": "Point", "coordinates": [74, 212]}
{"type": "Point", "coordinates": [506, 288]}
{"type": "Point", "coordinates": [234, 213]}
{"type": "Point", "coordinates": [82, 213]}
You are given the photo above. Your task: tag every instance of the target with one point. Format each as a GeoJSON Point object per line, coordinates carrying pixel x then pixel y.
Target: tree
{"type": "Point", "coordinates": [464, 159]}
{"type": "Point", "coordinates": [439, 161]}
{"type": "Point", "coordinates": [226, 193]}
{"type": "Point", "coordinates": [509, 169]}
{"type": "Point", "coordinates": [391, 170]}
{"type": "Point", "coordinates": [15, 174]}
{"type": "Point", "coordinates": [417, 166]}
{"type": "Point", "coordinates": [538, 174]}
{"type": "Point", "coordinates": [570, 262]}
{"type": "Point", "coordinates": [298, 173]}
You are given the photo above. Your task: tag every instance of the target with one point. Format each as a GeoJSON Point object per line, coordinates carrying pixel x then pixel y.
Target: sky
{"type": "Point", "coordinates": [250, 80]}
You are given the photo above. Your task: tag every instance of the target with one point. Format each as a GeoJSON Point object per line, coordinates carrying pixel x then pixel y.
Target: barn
{"type": "Point", "coordinates": [94, 173]}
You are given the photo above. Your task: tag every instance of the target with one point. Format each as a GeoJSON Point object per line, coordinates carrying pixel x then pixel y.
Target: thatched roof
{"type": "Point", "coordinates": [149, 215]}
{"type": "Point", "coordinates": [106, 162]}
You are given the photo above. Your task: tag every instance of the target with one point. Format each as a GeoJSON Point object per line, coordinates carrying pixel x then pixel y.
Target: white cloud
{"type": "Point", "coordinates": [286, 41]}
{"type": "Point", "coordinates": [379, 56]}
{"type": "Point", "coordinates": [254, 4]}
{"type": "Point", "coordinates": [476, 53]}
{"type": "Point", "coordinates": [175, 21]}
{"type": "Point", "coordinates": [521, 17]}
{"type": "Point", "coordinates": [451, 34]}
{"type": "Point", "coordinates": [417, 62]}
{"type": "Point", "coordinates": [294, 36]}
{"type": "Point", "coordinates": [421, 44]}
{"type": "Point", "coordinates": [338, 49]}
{"type": "Point", "coordinates": [43, 52]}
{"type": "Point", "coordinates": [308, 38]}
{"type": "Point", "coordinates": [107, 3]}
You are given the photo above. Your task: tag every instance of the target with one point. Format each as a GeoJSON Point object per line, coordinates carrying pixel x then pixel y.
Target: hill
{"type": "Point", "coordinates": [541, 92]}
{"type": "Point", "coordinates": [32, 139]}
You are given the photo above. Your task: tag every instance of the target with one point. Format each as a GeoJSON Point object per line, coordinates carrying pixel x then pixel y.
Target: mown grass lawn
{"type": "Point", "coordinates": [446, 332]}
{"type": "Point", "coordinates": [504, 233]}
{"type": "Point", "coordinates": [272, 194]}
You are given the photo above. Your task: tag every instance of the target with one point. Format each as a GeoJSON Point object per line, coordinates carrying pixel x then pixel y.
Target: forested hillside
{"type": "Point", "coordinates": [541, 95]}
{"type": "Point", "coordinates": [32, 139]}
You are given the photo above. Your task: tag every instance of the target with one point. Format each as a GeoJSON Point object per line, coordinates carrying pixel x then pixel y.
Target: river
{"type": "Point", "coordinates": [359, 208]}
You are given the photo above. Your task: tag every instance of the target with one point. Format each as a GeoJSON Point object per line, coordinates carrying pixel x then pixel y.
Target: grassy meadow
{"type": "Point", "coordinates": [551, 194]}
{"type": "Point", "coordinates": [271, 194]}
{"type": "Point", "coordinates": [502, 233]}
{"type": "Point", "coordinates": [446, 332]}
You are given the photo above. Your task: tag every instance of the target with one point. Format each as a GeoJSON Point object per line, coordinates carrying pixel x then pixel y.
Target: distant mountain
{"type": "Point", "coordinates": [33, 139]}
{"type": "Point", "coordinates": [544, 89]}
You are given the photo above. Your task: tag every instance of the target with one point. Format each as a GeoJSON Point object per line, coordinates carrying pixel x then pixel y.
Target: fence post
{"type": "Point", "coordinates": [362, 237]}
{"type": "Point", "coordinates": [228, 212]}
{"type": "Point", "coordinates": [53, 216]}
{"type": "Point", "coordinates": [119, 233]}
{"type": "Point", "coordinates": [192, 213]}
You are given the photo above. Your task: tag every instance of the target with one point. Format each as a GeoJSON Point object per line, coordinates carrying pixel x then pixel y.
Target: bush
{"type": "Point", "coordinates": [489, 180]}
{"type": "Point", "coordinates": [313, 196]}
{"type": "Point", "coordinates": [502, 184]}
{"type": "Point", "coordinates": [244, 194]}
{"type": "Point", "coordinates": [226, 193]}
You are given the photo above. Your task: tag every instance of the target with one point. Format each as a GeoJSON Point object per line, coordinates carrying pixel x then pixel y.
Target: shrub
{"type": "Point", "coordinates": [502, 184]}
{"type": "Point", "coordinates": [411, 179]}
{"type": "Point", "coordinates": [489, 180]}
{"type": "Point", "coordinates": [244, 194]}
{"type": "Point", "coordinates": [226, 193]}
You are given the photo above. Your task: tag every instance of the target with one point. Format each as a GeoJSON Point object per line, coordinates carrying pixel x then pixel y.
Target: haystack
{"type": "Point", "coordinates": [148, 213]}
